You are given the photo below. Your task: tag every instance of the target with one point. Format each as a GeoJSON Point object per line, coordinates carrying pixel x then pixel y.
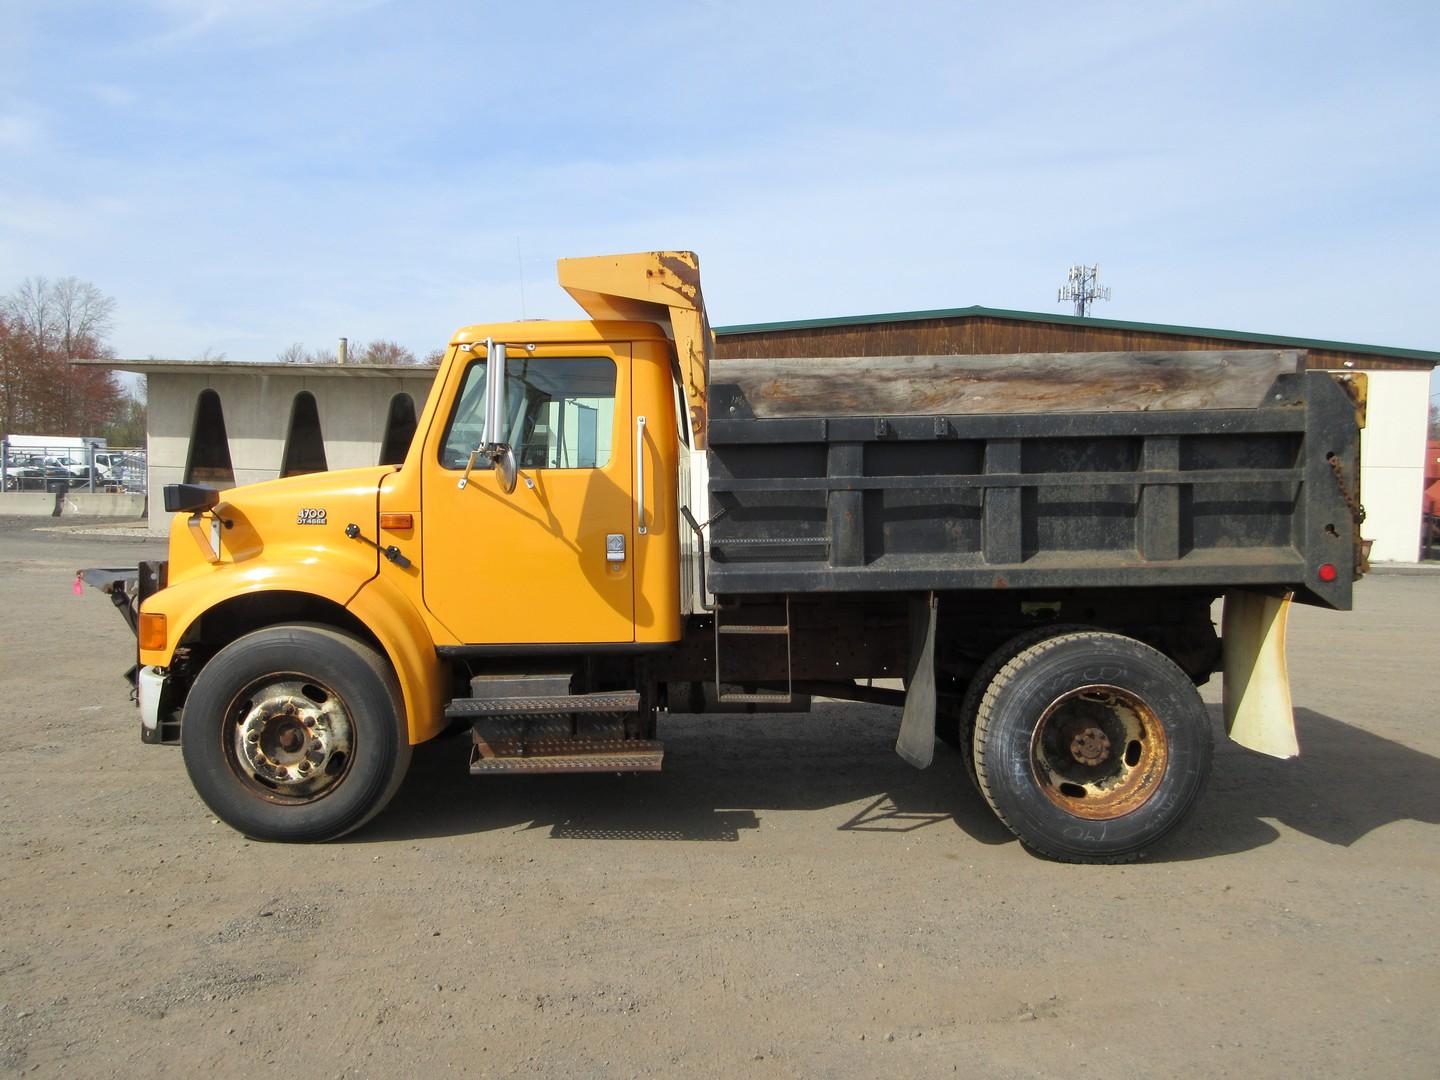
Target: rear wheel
{"type": "Point", "coordinates": [958, 727]}
{"type": "Point", "coordinates": [1090, 747]}
{"type": "Point", "coordinates": [295, 733]}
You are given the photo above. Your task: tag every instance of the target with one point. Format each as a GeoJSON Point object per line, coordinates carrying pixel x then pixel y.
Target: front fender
{"type": "Point", "coordinates": [184, 602]}
{"type": "Point", "coordinates": [402, 633]}
{"type": "Point", "coordinates": [383, 610]}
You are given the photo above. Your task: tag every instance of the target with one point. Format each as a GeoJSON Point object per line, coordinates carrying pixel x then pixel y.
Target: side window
{"type": "Point", "coordinates": [561, 413]}
{"type": "Point", "coordinates": [682, 414]}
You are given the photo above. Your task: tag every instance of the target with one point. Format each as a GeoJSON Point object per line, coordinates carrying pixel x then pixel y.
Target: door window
{"type": "Point", "coordinates": [561, 413]}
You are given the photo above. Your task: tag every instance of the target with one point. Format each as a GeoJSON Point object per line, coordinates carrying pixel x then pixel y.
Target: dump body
{"type": "Point", "coordinates": [1095, 470]}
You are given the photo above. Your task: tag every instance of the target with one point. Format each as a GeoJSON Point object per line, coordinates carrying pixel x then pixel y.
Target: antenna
{"type": "Point", "coordinates": [1082, 285]}
{"type": "Point", "coordinates": [520, 264]}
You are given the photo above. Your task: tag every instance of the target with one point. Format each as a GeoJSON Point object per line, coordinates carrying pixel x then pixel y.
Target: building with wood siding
{"type": "Point", "coordinates": [1392, 446]}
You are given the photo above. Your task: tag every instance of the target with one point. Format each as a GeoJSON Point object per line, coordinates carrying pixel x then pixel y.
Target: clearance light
{"type": "Point", "coordinates": [397, 521]}
{"type": "Point", "coordinates": [152, 631]}
{"type": "Point", "coordinates": [1327, 572]}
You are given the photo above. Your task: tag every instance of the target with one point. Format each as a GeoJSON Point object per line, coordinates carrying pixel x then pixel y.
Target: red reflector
{"type": "Point", "coordinates": [1327, 572]}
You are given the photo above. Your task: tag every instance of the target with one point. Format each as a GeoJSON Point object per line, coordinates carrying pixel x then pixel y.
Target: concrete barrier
{"type": "Point", "coordinates": [72, 504]}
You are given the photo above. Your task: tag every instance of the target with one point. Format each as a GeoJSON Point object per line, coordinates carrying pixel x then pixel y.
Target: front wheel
{"type": "Point", "coordinates": [295, 733]}
{"type": "Point", "coordinates": [1091, 746]}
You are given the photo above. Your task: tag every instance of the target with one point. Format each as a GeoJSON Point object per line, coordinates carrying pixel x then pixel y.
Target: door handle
{"type": "Point", "coordinates": [640, 474]}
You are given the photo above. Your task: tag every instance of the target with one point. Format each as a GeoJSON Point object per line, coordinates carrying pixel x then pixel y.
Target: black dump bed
{"type": "Point", "coordinates": [1100, 470]}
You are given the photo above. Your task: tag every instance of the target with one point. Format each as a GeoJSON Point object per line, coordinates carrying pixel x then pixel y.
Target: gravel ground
{"type": "Point", "coordinates": [786, 899]}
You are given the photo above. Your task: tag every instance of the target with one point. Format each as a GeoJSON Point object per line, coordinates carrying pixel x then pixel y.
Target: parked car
{"type": "Point", "coordinates": [35, 475]}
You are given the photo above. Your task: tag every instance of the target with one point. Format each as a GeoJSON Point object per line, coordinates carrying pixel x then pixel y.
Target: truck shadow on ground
{"type": "Point", "coordinates": [723, 773]}
{"type": "Point", "coordinates": [1346, 783]}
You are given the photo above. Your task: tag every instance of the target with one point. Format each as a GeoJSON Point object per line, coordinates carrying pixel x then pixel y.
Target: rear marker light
{"type": "Point", "coordinates": [1327, 572]}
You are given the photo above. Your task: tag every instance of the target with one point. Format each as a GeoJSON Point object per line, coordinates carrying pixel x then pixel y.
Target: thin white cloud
{"type": "Point", "coordinates": [20, 133]}
{"type": "Point", "coordinates": [114, 95]}
{"type": "Point", "coordinates": [253, 21]}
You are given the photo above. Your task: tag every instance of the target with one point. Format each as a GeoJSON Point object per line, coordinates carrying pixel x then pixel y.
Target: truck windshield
{"type": "Point", "coordinates": [561, 413]}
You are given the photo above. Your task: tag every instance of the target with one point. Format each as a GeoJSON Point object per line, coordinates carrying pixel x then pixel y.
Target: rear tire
{"type": "Point", "coordinates": [959, 728]}
{"type": "Point", "coordinates": [1090, 747]}
{"type": "Point", "coordinates": [295, 733]}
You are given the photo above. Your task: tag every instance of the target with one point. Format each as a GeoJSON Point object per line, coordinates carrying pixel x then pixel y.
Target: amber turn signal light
{"type": "Point", "coordinates": [152, 631]}
{"type": "Point", "coordinates": [397, 521]}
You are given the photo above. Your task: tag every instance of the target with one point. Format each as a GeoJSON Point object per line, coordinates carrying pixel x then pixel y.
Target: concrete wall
{"type": "Point", "coordinates": [257, 408]}
{"type": "Point", "coordinates": [72, 504]}
{"type": "Point", "coordinates": [1392, 463]}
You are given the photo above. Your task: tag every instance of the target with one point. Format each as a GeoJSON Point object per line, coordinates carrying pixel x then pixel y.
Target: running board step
{"type": "Point", "coordinates": [561, 743]}
{"type": "Point", "coordinates": [634, 755]}
{"type": "Point", "coordinates": [778, 697]}
{"type": "Point", "coordinates": [613, 701]}
{"type": "Point", "coordinates": [514, 744]}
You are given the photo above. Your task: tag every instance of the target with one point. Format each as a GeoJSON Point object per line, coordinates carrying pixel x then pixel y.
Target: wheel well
{"type": "Point", "coordinates": [240, 615]}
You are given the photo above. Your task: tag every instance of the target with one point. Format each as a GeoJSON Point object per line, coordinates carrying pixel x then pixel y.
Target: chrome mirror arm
{"type": "Point", "coordinates": [469, 464]}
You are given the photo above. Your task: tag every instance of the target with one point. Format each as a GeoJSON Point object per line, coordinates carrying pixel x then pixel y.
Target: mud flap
{"type": "Point", "coordinates": [1259, 714]}
{"type": "Point", "coordinates": [916, 743]}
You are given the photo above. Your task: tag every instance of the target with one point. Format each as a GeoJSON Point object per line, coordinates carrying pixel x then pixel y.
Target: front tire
{"type": "Point", "coordinates": [295, 733]}
{"type": "Point", "coordinates": [1091, 747]}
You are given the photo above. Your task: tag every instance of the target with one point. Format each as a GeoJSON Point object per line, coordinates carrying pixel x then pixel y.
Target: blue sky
{"type": "Point", "coordinates": [242, 174]}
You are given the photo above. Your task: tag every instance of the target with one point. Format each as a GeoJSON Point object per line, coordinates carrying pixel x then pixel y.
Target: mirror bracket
{"type": "Point", "coordinates": [499, 453]}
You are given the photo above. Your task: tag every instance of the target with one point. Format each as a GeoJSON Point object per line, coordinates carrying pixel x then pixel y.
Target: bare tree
{"type": "Point", "coordinates": [84, 316]}
{"type": "Point", "coordinates": [376, 352]}
{"type": "Point", "coordinates": [382, 352]}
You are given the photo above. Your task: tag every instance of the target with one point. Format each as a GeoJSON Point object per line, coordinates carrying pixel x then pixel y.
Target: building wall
{"type": "Point", "coordinates": [257, 409]}
{"type": "Point", "coordinates": [982, 335]}
{"type": "Point", "coordinates": [1392, 463]}
{"type": "Point", "coordinates": [353, 408]}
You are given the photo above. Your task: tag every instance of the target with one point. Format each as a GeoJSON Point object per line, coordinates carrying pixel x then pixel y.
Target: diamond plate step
{"type": "Point", "coordinates": [527, 685]}
{"type": "Point", "coordinates": [630, 755]}
{"type": "Point", "coordinates": [609, 701]}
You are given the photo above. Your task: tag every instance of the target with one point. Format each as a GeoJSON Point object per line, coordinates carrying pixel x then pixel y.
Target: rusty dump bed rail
{"type": "Point", "coordinates": [1205, 469]}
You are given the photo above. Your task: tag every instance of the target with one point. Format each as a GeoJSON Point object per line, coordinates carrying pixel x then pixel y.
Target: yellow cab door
{"type": "Point", "coordinates": [553, 561]}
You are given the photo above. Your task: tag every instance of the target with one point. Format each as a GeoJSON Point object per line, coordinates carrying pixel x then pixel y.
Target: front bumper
{"type": "Point", "coordinates": [155, 691]}
{"type": "Point", "coordinates": [159, 697]}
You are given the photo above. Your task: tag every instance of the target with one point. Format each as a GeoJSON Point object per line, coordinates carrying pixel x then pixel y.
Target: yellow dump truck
{"type": "Point", "coordinates": [597, 523]}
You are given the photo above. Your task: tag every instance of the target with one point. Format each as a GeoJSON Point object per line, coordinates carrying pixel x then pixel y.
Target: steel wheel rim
{"type": "Point", "coordinates": [1099, 752]}
{"type": "Point", "coordinates": [289, 738]}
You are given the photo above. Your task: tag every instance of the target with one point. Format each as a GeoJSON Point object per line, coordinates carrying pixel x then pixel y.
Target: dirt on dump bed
{"type": "Point", "coordinates": [786, 899]}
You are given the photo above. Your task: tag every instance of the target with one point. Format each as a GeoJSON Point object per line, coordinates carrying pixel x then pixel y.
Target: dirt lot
{"type": "Point", "coordinates": [787, 898]}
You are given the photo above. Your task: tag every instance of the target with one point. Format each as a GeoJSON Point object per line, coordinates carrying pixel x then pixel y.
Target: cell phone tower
{"type": "Point", "coordinates": [1082, 286]}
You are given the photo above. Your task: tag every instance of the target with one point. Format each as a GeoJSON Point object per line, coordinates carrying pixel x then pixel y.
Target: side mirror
{"type": "Point", "coordinates": [506, 470]}
{"type": "Point", "coordinates": [492, 443]}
